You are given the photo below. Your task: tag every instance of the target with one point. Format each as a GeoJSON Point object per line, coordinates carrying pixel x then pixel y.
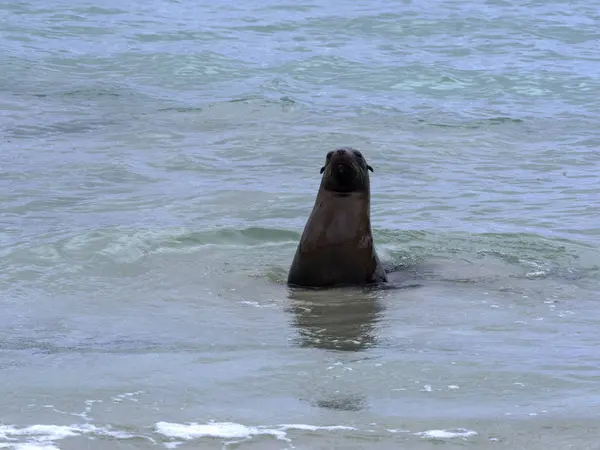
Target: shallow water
{"type": "Point", "coordinates": [159, 160]}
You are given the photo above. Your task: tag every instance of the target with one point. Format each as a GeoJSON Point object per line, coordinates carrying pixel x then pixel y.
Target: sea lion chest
{"type": "Point", "coordinates": [336, 246]}
{"type": "Point", "coordinates": [341, 225]}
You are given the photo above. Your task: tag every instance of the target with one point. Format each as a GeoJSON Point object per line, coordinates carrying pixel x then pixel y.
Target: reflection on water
{"type": "Point", "coordinates": [336, 319]}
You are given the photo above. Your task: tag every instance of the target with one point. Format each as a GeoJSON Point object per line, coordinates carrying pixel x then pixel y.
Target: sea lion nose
{"type": "Point", "coordinates": [340, 151]}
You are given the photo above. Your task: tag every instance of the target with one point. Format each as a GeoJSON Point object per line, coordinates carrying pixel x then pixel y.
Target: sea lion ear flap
{"type": "Point", "coordinates": [370, 168]}
{"type": "Point", "coordinates": [322, 169]}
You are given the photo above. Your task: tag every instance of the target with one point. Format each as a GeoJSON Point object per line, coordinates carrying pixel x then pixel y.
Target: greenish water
{"type": "Point", "coordinates": [159, 159]}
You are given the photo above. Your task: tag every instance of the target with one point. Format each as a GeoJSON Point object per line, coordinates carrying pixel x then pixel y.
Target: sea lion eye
{"type": "Point", "coordinates": [327, 158]}
{"type": "Point", "coordinates": [360, 155]}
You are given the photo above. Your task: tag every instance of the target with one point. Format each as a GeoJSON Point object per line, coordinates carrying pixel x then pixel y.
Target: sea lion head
{"type": "Point", "coordinates": [345, 171]}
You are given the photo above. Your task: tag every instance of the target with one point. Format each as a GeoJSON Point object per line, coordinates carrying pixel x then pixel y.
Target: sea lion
{"type": "Point", "coordinates": [336, 247]}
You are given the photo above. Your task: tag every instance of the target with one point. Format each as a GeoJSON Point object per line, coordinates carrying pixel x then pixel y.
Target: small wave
{"type": "Point", "coordinates": [527, 256]}
{"type": "Point", "coordinates": [226, 430]}
{"type": "Point", "coordinates": [476, 123]}
{"type": "Point", "coordinates": [233, 431]}
{"type": "Point", "coordinates": [56, 128]}
{"type": "Point", "coordinates": [249, 106]}
{"type": "Point", "coordinates": [173, 434]}
{"type": "Point", "coordinates": [128, 246]}
{"type": "Point", "coordinates": [89, 93]}
{"type": "Point", "coordinates": [533, 255]}
{"type": "Point", "coordinates": [182, 109]}
{"type": "Point", "coordinates": [95, 10]}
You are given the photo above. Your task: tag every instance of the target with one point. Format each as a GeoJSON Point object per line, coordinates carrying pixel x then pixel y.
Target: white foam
{"type": "Point", "coordinates": [447, 434]}
{"type": "Point", "coordinates": [255, 304]}
{"type": "Point", "coordinates": [42, 437]}
{"type": "Point", "coordinates": [127, 396]}
{"type": "Point", "coordinates": [34, 447]}
{"type": "Point", "coordinates": [230, 431]}
{"type": "Point", "coordinates": [301, 426]}
{"type": "Point", "coordinates": [46, 432]}
{"type": "Point", "coordinates": [536, 274]}
{"type": "Point", "coordinates": [226, 430]}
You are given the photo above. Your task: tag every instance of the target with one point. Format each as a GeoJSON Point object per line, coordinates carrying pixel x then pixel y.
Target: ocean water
{"type": "Point", "coordinates": [158, 161]}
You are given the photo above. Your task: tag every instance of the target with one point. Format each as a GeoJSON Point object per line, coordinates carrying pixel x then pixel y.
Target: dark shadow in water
{"type": "Point", "coordinates": [342, 319]}
{"type": "Point", "coordinates": [343, 402]}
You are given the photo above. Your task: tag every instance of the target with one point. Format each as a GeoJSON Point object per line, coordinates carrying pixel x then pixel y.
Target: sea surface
{"type": "Point", "coordinates": [158, 162]}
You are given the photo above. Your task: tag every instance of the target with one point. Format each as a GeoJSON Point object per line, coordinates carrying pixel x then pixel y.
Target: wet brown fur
{"type": "Point", "coordinates": [336, 247]}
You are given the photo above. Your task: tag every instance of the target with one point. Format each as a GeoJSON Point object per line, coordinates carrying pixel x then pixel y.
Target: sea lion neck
{"type": "Point", "coordinates": [351, 195]}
